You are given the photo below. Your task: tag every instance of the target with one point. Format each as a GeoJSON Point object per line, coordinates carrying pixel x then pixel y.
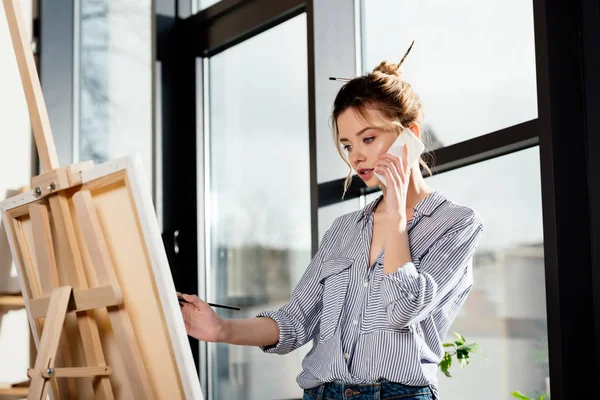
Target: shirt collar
{"type": "Point", "coordinates": [424, 207]}
{"type": "Point", "coordinates": [368, 210]}
{"type": "Point", "coordinates": [430, 203]}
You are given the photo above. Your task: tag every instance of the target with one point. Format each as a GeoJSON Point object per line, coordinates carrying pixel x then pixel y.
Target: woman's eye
{"type": "Point", "coordinates": [347, 147]}
{"type": "Point", "coordinates": [369, 139]}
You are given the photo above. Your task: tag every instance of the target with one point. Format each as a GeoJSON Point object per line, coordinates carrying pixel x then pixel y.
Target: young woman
{"type": "Point", "coordinates": [387, 281]}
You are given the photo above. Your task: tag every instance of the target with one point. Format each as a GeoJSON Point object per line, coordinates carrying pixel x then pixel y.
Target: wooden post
{"type": "Point", "coordinates": [49, 344]}
{"type": "Point", "coordinates": [33, 89]}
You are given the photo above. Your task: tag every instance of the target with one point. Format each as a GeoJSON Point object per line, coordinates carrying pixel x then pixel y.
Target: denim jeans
{"type": "Point", "coordinates": [374, 391]}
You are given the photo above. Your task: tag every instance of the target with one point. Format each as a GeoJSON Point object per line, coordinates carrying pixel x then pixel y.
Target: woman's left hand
{"type": "Point", "coordinates": [397, 175]}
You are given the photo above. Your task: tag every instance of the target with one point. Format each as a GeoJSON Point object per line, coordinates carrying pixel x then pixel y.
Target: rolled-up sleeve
{"type": "Point", "coordinates": [299, 318]}
{"type": "Point", "coordinates": [410, 295]}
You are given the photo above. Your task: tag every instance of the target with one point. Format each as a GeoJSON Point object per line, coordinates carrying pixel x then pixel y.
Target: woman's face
{"type": "Point", "coordinates": [363, 142]}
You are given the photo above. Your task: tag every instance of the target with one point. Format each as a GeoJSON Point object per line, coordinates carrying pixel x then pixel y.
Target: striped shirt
{"type": "Point", "coordinates": [367, 326]}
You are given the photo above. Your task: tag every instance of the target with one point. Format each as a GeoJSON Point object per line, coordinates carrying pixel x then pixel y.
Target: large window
{"type": "Point", "coordinates": [473, 62]}
{"type": "Point", "coordinates": [115, 81]}
{"type": "Point", "coordinates": [474, 76]}
{"type": "Point", "coordinates": [506, 309]}
{"type": "Point", "coordinates": [259, 204]}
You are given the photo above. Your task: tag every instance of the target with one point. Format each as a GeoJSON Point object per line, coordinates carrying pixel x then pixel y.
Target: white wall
{"type": "Point", "coordinates": [15, 172]}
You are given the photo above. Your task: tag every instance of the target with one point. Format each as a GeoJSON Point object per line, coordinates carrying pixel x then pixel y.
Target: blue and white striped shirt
{"type": "Point", "coordinates": [367, 327]}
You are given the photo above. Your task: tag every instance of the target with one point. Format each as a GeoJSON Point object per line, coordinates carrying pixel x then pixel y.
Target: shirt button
{"type": "Point", "coordinates": [366, 284]}
{"type": "Point", "coordinates": [410, 296]}
{"type": "Point", "coordinates": [355, 322]}
{"type": "Point", "coordinates": [346, 356]}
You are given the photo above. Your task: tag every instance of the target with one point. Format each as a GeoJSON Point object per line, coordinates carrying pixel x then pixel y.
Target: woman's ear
{"type": "Point", "coordinates": [416, 129]}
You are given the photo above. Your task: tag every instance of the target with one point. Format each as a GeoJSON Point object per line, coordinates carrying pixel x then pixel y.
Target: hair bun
{"type": "Point", "coordinates": [389, 68]}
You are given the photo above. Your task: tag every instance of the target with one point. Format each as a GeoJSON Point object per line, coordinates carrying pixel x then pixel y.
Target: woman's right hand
{"type": "Point", "coordinates": [201, 321]}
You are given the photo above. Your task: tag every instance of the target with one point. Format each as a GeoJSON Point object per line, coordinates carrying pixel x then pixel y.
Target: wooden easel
{"type": "Point", "coordinates": [69, 281]}
{"type": "Point", "coordinates": [65, 299]}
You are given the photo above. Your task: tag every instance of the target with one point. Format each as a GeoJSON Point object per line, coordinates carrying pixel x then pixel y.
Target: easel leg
{"type": "Point", "coordinates": [48, 273]}
{"type": "Point", "coordinates": [35, 291]}
{"type": "Point", "coordinates": [53, 328]}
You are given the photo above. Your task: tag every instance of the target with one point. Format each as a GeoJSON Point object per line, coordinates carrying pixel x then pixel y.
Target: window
{"type": "Point", "coordinates": [506, 310]}
{"type": "Point", "coordinates": [473, 75]}
{"type": "Point", "coordinates": [202, 4]}
{"type": "Point", "coordinates": [260, 222]}
{"type": "Point", "coordinates": [115, 80]}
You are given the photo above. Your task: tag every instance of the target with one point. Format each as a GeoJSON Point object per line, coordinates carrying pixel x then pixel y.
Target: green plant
{"type": "Point", "coordinates": [521, 396]}
{"type": "Point", "coordinates": [462, 350]}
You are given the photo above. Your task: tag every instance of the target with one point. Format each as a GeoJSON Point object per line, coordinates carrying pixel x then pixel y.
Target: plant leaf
{"type": "Point", "coordinates": [519, 395]}
{"type": "Point", "coordinates": [460, 340]}
{"type": "Point", "coordinates": [471, 347]}
{"type": "Point", "coordinates": [446, 372]}
{"type": "Point", "coordinates": [448, 344]}
{"type": "Point", "coordinates": [445, 364]}
{"type": "Point", "coordinates": [463, 357]}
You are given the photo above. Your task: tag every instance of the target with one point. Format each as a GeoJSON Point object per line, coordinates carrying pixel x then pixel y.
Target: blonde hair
{"type": "Point", "coordinates": [383, 90]}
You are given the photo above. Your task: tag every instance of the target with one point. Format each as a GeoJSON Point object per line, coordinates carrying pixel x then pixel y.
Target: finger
{"type": "Point", "coordinates": [184, 308]}
{"type": "Point", "coordinates": [389, 179]}
{"type": "Point", "coordinates": [402, 167]}
{"type": "Point", "coordinates": [390, 156]}
{"type": "Point", "coordinates": [401, 164]}
{"type": "Point", "coordinates": [387, 164]}
{"type": "Point", "coordinates": [398, 163]}
{"type": "Point", "coordinates": [396, 174]}
{"type": "Point", "coordinates": [405, 160]}
{"type": "Point", "coordinates": [195, 300]}
{"type": "Point", "coordinates": [188, 326]}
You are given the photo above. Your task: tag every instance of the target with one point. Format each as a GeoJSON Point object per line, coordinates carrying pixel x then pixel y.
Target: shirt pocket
{"type": "Point", "coordinates": [334, 278]}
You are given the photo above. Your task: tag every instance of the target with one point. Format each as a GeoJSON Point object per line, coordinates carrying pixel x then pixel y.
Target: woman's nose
{"type": "Point", "coordinates": [357, 157]}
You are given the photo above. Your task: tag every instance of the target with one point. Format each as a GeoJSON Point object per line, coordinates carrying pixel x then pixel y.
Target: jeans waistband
{"type": "Point", "coordinates": [350, 390]}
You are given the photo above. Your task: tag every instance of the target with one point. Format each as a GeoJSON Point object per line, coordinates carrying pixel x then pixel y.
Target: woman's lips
{"type": "Point", "coordinates": [365, 174]}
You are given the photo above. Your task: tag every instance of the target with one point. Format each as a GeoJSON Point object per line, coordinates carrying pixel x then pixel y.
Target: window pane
{"type": "Point", "coordinates": [115, 95]}
{"type": "Point", "coordinates": [372, 196]}
{"type": "Point", "coordinates": [202, 4]}
{"type": "Point", "coordinates": [473, 62]}
{"type": "Point", "coordinates": [506, 310]}
{"type": "Point", "coordinates": [260, 198]}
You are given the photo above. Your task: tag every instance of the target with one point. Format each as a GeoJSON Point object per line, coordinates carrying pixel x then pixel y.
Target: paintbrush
{"type": "Point", "coordinates": [181, 299]}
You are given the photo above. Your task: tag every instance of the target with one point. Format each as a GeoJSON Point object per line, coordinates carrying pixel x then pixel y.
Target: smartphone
{"type": "Point", "coordinates": [415, 149]}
